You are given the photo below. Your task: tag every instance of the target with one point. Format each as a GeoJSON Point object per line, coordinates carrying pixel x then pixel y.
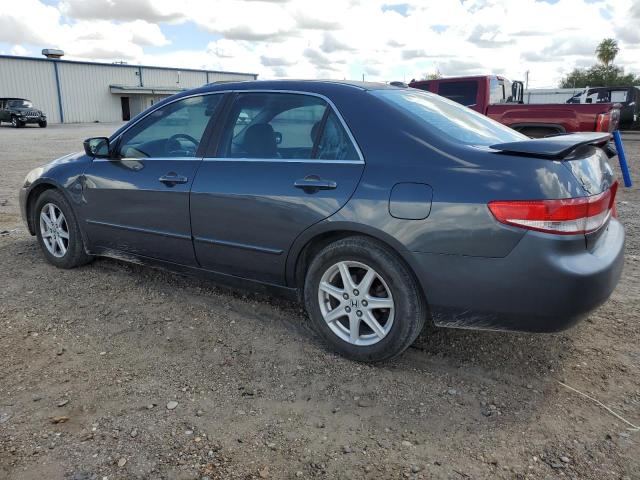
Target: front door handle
{"type": "Point", "coordinates": [313, 183]}
{"type": "Point", "coordinates": [171, 179]}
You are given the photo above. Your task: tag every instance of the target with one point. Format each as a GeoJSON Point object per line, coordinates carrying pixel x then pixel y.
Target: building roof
{"type": "Point", "coordinates": [120, 65]}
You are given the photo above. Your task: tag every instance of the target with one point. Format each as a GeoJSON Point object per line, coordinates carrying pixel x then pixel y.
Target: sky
{"type": "Point", "coordinates": [382, 40]}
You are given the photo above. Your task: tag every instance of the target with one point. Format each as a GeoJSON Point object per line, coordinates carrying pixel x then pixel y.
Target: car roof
{"type": "Point", "coordinates": [13, 98]}
{"type": "Point", "coordinates": [295, 85]}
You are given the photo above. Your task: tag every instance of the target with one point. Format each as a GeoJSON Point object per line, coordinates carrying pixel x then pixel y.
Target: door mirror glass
{"type": "Point", "coordinates": [97, 147]}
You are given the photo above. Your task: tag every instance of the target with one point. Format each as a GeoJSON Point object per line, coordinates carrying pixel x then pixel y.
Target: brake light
{"type": "Point", "coordinates": [568, 216]}
{"type": "Point", "coordinates": [602, 122]}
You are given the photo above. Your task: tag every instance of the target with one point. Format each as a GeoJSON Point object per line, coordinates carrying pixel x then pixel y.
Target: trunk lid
{"type": "Point", "coordinates": [581, 155]}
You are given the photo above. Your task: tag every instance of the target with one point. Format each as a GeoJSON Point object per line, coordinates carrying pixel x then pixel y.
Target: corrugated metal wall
{"type": "Point", "coordinates": [84, 87]}
{"type": "Point", "coordinates": [32, 80]}
{"type": "Point", "coordinates": [85, 91]}
{"type": "Point", "coordinates": [173, 78]}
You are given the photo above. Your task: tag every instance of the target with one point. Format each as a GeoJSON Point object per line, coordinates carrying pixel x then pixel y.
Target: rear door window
{"type": "Point", "coordinates": [464, 93]}
{"type": "Point", "coordinates": [288, 126]}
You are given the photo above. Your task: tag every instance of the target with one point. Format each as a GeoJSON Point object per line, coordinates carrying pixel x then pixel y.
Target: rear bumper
{"type": "Point", "coordinates": [546, 284]}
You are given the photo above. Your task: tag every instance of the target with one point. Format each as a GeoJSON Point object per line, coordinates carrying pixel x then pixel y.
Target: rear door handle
{"type": "Point", "coordinates": [171, 179]}
{"type": "Point", "coordinates": [313, 183]}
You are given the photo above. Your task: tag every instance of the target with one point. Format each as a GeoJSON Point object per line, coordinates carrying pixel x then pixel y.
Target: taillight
{"type": "Point", "coordinates": [568, 216]}
{"type": "Point", "coordinates": [603, 120]}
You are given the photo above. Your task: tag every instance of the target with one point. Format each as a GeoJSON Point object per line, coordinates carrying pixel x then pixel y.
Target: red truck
{"type": "Point", "coordinates": [501, 99]}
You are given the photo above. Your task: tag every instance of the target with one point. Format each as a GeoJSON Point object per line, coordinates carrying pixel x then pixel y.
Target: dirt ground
{"type": "Point", "coordinates": [103, 349]}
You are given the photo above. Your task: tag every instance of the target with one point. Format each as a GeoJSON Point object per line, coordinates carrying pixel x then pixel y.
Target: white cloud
{"type": "Point", "coordinates": [335, 38]}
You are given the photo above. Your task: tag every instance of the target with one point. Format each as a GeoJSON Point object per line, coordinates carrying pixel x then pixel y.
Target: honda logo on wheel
{"type": "Point", "coordinates": [354, 303]}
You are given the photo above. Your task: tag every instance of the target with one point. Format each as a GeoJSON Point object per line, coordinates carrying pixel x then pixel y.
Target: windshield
{"type": "Point", "coordinates": [20, 104]}
{"type": "Point", "coordinates": [448, 118]}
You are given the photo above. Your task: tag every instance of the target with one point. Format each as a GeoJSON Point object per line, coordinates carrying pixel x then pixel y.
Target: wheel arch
{"type": "Point", "coordinates": [313, 240]}
{"type": "Point", "coordinates": [37, 189]}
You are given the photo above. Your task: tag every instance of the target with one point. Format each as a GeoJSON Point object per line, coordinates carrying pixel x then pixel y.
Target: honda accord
{"type": "Point", "coordinates": [380, 207]}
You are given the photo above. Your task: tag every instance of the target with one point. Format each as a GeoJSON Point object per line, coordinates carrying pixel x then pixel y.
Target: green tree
{"type": "Point", "coordinates": [432, 76]}
{"type": "Point", "coordinates": [607, 50]}
{"type": "Point", "coordinates": [603, 74]}
{"type": "Point", "coordinates": [599, 76]}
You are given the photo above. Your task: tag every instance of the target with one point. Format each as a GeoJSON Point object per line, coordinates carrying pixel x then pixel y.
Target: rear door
{"type": "Point", "coordinates": [139, 202]}
{"type": "Point", "coordinates": [285, 161]}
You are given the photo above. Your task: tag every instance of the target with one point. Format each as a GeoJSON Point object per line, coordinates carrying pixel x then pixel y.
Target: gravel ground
{"type": "Point", "coordinates": [115, 371]}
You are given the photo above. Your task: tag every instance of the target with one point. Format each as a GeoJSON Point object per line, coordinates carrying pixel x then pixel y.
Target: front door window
{"type": "Point", "coordinates": [172, 131]}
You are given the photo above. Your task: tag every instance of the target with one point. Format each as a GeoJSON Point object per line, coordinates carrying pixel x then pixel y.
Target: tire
{"type": "Point", "coordinates": [43, 124]}
{"type": "Point", "coordinates": [15, 123]}
{"type": "Point", "coordinates": [396, 328]}
{"type": "Point", "coordinates": [73, 255]}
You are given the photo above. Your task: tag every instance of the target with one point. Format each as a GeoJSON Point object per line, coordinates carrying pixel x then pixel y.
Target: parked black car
{"type": "Point", "coordinates": [627, 97]}
{"type": "Point", "coordinates": [19, 112]}
{"type": "Point", "coordinates": [380, 207]}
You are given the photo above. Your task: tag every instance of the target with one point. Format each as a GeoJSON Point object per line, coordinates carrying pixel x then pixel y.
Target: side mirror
{"type": "Point", "coordinates": [97, 147]}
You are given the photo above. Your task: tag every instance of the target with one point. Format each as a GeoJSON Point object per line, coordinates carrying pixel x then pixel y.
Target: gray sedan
{"type": "Point", "coordinates": [379, 207]}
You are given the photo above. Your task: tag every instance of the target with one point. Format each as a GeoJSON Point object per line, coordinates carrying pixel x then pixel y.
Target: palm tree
{"type": "Point", "coordinates": [607, 51]}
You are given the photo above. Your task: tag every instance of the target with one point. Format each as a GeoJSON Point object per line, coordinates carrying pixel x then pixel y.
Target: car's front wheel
{"type": "Point", "coordinates": [363, 300]}
{"type": "Point", "coordinates": [15, 123]}
{"type": "Point", "coordinates": [58, 231]}
{"type": "Point", "coordinates": [43, 124]}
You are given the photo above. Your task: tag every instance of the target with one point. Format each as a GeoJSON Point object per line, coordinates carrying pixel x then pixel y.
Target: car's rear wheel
{"type": "Point", "coordinates": [58, 231]}
{"type": "Point", "coordinates": [363, 299]}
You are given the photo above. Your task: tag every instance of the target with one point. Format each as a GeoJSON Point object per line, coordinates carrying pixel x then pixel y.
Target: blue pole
{"type": "Point", "coordinates": [623, 159]}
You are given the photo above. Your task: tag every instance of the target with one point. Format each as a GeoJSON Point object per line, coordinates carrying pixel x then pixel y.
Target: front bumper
{"type": "Point", "coordinates": [546, 284]}
{"type": "Point", "coordinates": [31, 119]}
{"type": "Point", "coordinates": [22, 197]}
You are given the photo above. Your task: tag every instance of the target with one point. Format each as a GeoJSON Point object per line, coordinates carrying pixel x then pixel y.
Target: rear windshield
{"type": "Point", "coordinates": [450, 119]}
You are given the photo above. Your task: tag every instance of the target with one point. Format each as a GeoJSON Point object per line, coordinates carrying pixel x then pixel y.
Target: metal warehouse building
{"type": "Point", "coordinates": [72, 92]}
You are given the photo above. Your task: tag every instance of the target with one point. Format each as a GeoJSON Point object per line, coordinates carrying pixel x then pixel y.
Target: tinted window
{"type": "Point", "coordinates": [449, 119]}
{"type": "Point", "coordinates": [619, 96]}
{"type": "Point", "coordinates": [334, 143]}
{"type": "Point", "coordinates": [462, 92]}
{"type": "Point", "coordinates": [172, 131]}
{"type": "Point", "coordinates": [283, 125]}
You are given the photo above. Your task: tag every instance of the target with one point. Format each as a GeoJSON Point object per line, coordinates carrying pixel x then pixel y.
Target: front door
{"type": "Point", "coordinates": [126, 109]}
{"type": "Point", "coordinates": [285, 161]}
{"type": "Point", "coordinates": [139, 202]}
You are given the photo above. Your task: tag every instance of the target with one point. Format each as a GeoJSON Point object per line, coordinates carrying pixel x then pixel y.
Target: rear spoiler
{"type": "Point", "coordinates": [555, 147]}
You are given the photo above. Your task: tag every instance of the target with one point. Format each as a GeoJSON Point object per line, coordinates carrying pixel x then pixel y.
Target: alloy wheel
{"type": "Point", "coordinates": [356, 303]}
{"type": "Point", "coordinates": [54, 230]}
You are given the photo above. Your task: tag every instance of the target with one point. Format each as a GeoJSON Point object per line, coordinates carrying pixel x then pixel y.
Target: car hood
{"type": "Point", "coordinates": [22, 109]}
